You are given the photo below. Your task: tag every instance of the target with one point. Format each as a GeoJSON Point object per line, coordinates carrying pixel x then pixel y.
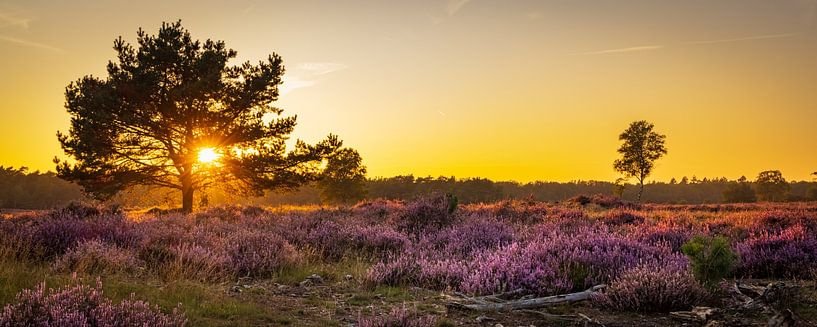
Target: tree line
{"type": "Point", "coordinates": [23, 189]}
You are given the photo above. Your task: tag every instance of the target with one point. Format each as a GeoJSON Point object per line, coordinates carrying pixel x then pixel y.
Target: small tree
{"type": "Point", "coordinates": [811, 195]}
{"type": "Point", "coordinates": [712, 258]}
{"type": "Point", "coordinates": [771, 186]}
{"type": "Point", "coordinates": [172, 113]}
{"type": "Point", "coordinates": [739, 192]}
{"type": "Point", "coordinates": [641, 148]}
{"type": "Point", "coordinates": [344, 178]}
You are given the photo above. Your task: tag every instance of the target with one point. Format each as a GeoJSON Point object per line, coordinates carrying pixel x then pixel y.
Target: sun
{"type": "Point", "coordinates": [208, 155]}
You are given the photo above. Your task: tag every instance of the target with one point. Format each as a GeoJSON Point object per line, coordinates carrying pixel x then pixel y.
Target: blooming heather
{"type": "Point", "coordinates": [82, 305]}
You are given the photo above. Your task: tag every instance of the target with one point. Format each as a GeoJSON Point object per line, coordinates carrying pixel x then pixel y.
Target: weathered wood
{"type": "Point", "coordinates": [698, 314]}
{"type": "Point", "coordinates": [540, 302]}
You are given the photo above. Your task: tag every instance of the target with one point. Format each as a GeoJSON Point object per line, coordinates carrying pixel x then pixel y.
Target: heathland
{"type": "Point", "coordinates": [430, 261]}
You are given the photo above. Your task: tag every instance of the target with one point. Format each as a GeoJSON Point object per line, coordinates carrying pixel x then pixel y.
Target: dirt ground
{"type": "Point", "coordinates": [342, 303]}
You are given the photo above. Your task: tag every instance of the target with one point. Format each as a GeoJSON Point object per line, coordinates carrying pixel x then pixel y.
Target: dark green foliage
{"type": "Point", "coordinates": [771, 186]}
{"type": "Point", "coordinates": [21, 189]}
{"type": "Point", "coordinates": [712, 258]}
{"type": "Point", "coordinates": [165, 100]}
{"type": "Point", "coordinates": [740, 192]}
{"type": "Point", "coordinates": [641, 148]}
{"type": "Point", "coordinates": [452, 202]}
{"type": "Point", "coordinates": [344, 178]}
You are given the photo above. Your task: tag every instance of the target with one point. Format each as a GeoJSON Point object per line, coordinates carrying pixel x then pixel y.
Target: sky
{"type": "Point", "coordinates": [503, 89]}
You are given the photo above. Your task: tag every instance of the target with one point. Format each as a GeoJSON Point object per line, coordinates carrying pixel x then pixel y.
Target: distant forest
{"type": "Point", "coordinates": [22, 189]}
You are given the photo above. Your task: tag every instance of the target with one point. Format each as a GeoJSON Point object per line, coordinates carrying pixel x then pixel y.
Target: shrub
{"type": "Point", "coordinates": [791, 252]}
{"type": "Point", "coordinates": [618, 217]}
{"type": "Point", "coordinates": [398, 317]}
{"type": "Point", "coordinates": [97, 257]}
{"type": "Point", "coordinates": [558, 263]}
{"type": "Point", "coordinates": [434, 211]}
{"type": "Point", "coordinates": [195, 262]}
{"type": "Point", "coordinates": [258, 254]}
{"type": "Point", "coordinates": [77, 210]}
{"type": "Point", "coordinates": [652, 288]}
{"type": "Point", "coordinates": [82, 305]}
{"type": "Point", "coordinates": [712, 258]}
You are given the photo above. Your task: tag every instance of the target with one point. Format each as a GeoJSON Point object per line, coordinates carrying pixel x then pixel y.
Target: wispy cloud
{"type": "Point", "coordinates": [321, 68]}
{"type": "Point", "coordinates": [308, 74]}
{"type": "Point", "coordinates": [293, 83]}
{"type": "Point", "coordinates": [623, 50]}
{"type": "Point", "coordinates": [746, 38]}
{"type": "Point", "coordinates": [12, 20]}
{"type": "Point", "coordinates": [453, 6]}
{"type": "Point", "coordinates": [30, 43]}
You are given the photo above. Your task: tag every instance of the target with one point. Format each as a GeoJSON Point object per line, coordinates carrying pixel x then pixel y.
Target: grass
{"type": "Point", "coordinates": [210, 304]}
{"type": "Point", "coordinates": [204, 304]}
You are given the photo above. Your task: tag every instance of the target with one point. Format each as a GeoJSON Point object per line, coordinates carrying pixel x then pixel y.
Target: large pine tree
{"type": "Point", "coordinates": [169, 99]}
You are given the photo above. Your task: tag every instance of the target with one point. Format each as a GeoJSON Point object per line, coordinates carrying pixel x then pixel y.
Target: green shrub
{"type": "Point", "coordinates": [712, 258]}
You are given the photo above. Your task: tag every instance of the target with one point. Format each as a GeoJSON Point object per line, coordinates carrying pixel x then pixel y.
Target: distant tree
{"type": "Point", "coordinates": [811, 195]}
{"type": "Point", "coordinates": [771, 186]}
{"type": "Point", "coordinates": [739, 192]}
{"type": "Point", "coordinates": [673, 181]}
{"type": "Point", "coordinates": [641, 148]}
{"type": "Point", "coordinates": [684, 180]}
{"type": "Point", "coordinates": [619, 186]}
{"type": "Point", "coordinates": [170, 106]}
{"type": "Point", "coordinates": [344, 178]}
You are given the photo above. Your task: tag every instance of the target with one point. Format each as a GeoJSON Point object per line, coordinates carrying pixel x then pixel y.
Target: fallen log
{"type": "Point", "coordinates": [698, 314]}
{"type": "Point", "coordinates": [483, 305]}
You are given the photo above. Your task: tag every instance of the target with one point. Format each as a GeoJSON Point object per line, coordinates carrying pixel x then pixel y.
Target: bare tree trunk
{"type": "Point", "coordinates": [187, 199]}
{"type": "Point", "coordinates": [640, 191]}
{"type": "Point", "coordinates": [187, 193]}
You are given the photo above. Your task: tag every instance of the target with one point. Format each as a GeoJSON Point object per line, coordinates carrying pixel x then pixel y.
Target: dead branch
{"type": "Point", "coordinates": [481, 304]}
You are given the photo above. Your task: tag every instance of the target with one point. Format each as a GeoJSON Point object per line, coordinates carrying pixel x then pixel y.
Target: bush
{"type": "Point", "coordinates": [81, 305]}
{"type": "Point", "coordinates": [434, 211]}
{"type": "Point", "coordinates": [601, 200]}
{"type": "Point", "coordinates": [652, 288]}
{"type": "Point", "coordinates": [791, 252]}
{"type": "Point", "coordinates": [258, 254]}
{"type": "Point", "coordinates": [712, 258]}
{"type": "Point", "coordinates": [96, 257]}
{"type": "Point", "coordinates": [617, 218]}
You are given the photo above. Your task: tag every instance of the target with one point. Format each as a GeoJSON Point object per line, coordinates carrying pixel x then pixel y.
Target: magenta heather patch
{"type": "Point", "coordinates": [791, 252]}
{"type": "Point", "coordinates": [654, 287]}
{"type": "Point", "coordinates": [82, 305]}
{"type": "Point", "coordinates": [98, 257]}
{"type": "Point", "coordinates": [258, 254]}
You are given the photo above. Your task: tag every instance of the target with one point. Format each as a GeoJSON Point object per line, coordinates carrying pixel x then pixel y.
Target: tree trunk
{"type": "Point", "coordinates": [187, 200]}
{"type": "Point", "coordinates": [187, 194]}
{"type": "Point", "coordinates": [640, 191]}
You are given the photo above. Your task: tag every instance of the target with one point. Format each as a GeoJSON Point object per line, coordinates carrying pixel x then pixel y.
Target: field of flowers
{"type": "Point", "coordinates": [431, 245]}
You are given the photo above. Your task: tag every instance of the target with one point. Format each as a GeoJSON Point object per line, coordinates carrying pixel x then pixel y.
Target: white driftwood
{"type": "Point", "coordinates": [483, 304]}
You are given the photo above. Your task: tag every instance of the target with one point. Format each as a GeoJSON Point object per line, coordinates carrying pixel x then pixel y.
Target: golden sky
{"type": "Point", "coordinates": [509, 90]}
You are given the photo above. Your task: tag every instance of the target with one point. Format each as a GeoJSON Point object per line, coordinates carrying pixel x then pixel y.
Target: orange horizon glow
{"type": "Point", "coordinates": [521, 90]}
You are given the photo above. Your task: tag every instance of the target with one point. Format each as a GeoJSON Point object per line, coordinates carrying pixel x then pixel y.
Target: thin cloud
{"type": "Point", "coordinates": [308, 74]}
{"type": "Point", "coordinates": [321, 68]}
{"type": "Point", "coordinates": [11, 20]}
{"type": "Point", "coordinates": [30, 43]}
{"type": "Point", "coordinates": [623, 50]}
{"type": "Point", "coordinates": [293, 83]}
{"type": "Point", "coordinates": [454, 6]}
{"type": "Point", "coordinates": [747, 38]}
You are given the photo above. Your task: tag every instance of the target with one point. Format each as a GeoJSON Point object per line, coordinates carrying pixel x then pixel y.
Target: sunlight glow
{"type": "Point", "coordinates": [208, 155]}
